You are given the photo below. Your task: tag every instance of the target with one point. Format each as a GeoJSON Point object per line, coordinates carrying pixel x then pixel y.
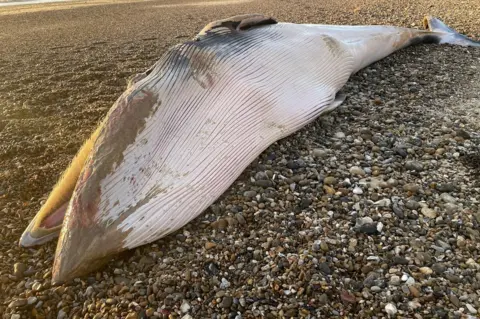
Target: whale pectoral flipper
{"type": "Point", "coordinates": [237, 23]}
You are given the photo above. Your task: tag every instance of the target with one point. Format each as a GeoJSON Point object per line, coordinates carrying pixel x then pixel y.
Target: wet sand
{"type": "Point", "coordinates": [62, 65]}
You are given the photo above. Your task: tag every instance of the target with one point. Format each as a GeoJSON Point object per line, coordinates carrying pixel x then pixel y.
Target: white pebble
{"type": "Point", "coordinates": [224, 284]}
{"type": "Point", "coordinates": [185, 307]}
{"type": "Point", "coordinates": [390, 309]}
{"type": "Point", "coordinates": [410, 281]}
{"type": "Point", "coordinates": [357, 190]}
{"type": "Point", "coordinates": [471, 309]}
{"type": "Point", "coordinates": [340, 135]}
{"type": "Point", "coordinates": [379, 227]}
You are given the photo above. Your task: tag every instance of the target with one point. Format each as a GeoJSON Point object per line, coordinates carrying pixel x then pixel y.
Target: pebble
{"type": "Point", "coordinates": [471, 309]}
{"type": "Point", "coordinates": [447, 198]}
{"type": "Point", "coordinates": [426, 270]}
{"type": "Point", "coordinates": [32, 300]}
{"type": "Point", "coordinates": [414, 166]}
{"type": "Point", "coordinates": [357, 190]}
{"type": "Point", "coordinates": [390, 309]}
{"type": "Point", "coordinates": [19, 269]}
{"type": "Point", "coordinates": [210, 245]}
{"type": "Point", "coordinates": [330, 180]}
{"type": "Point", "coordinates": [226, 302]}
{"type": "Point", "coordinates": [18, 303]}
{"type": "Point", "coordinates": [395, 280]}
{"type": "Point", "coordinates": [250, 194]}
{"type": "Point", "coordinates": [185, 307]}
{"type": "Point", "coordinates": [320, 153]}
{"type": "Point", "coordinates": [412, 204]}
{"type": "Point", "coordinates": [428, 212]}
{"type": "Point", "coordinates": [355, 170]}
{"type": "Point", "coordinates": [412, 188]}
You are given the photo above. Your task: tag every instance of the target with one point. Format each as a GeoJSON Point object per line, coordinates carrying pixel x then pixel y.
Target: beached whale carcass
{"type": "Point", "coordinates": [185, 129]}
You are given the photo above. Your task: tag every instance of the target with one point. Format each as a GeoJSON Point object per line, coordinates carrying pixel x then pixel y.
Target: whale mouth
{"type": "Point", "coordinates": [56, 218]}
{"type": "Point", "coordinates": [48, 229]}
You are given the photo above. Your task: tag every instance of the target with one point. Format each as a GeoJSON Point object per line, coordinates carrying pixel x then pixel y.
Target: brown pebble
{"type": "Point", "coordinates": [348, 297]}
{"type": "Point", "coordinates": [210, 245]}
{"type": "Point", "coordinates": [149, 312]}
{"type": "Point", "coordinates": [414, 291]}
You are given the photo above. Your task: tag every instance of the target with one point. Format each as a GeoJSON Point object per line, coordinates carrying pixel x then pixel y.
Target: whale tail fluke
{"type": "Point", "coordinates": [447, 35]}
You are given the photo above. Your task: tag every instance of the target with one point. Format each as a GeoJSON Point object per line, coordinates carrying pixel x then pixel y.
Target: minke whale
{"type": "Point", "coordinates": [185, 129]}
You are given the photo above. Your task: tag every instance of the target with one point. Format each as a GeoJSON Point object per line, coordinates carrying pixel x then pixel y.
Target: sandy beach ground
{"type": "Point", "coordinates": [410, 123]}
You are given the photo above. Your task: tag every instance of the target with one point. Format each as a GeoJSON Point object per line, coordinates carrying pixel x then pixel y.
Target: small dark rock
{"type": "Point", "coordinates": [399, 260]}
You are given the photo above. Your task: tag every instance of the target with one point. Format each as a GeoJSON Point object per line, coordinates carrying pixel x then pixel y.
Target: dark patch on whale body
{"type": "Point", "coordinates": [426, 39]}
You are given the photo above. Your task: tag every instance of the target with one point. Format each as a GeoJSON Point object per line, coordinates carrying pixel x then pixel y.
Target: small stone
{"type": "Point", "coordinates": [357, 190]}
{"type": "Point", "coordinates": [410, 281]}
{"type": "Point", "coordinates": [471, 309]}
{"type": "Point", "coordinates": [224, 284]}
{"type": "Point", "coordinates": [412, 188]}
{"type": "Point", "coordinates": [413, 290]}
{"type": "Point", "coordinates": [450, 208]}
{"type": "Point", "coordinates": [329, 190]}
{"type": "Point", "coordinates": [414, 166]}
{"type": "Point", "coordinates": [438, 268]}
{"type": "Point", "coordinates": [454, 300]}
{"type": "Point", "coordinates": [399, 260]}
{"type": "Point", "coordinates": [412, 204]}
{"type": "Point", "coordinates": [355, 170]}
{"type": "Point", "coordinates": [250, 194]}
{"type": "Point", "coordinates": [61, 314]}
{"type": "Point", "coordinates": [132, 315]}
{"type": "Point", "coordinates": [19, 269]}
{"type": "Point", "coordinates": [37, 286]}
{"type": "Point", "coordinates": [226, 302]}
{"type": "Point", "coordinates": [447, 198]}
{"type": "Point", "coordinates": [395, 280]}
{"type": "Point", "coordinates": [340, 135]}
{"type": "Point", "coordinates": [428, 212]}
{"type": "Point", "coordinates": [110, 301]}
{"type": "Point", "coordinates": [323, 299]}
{"type": "Point", "coordinates": [448, 187]}
{"type": "Point", "coordinates": [347, 297]}
{"type": "Point", "coordinates": [220, 224]}
{"type": "Point", "coordinates": [463, 134]}
{"type": "Point", "coordinates": [210, 245]}
{"type": "Point", "coordinates": [149, 312]}
{"type": "Point", "coordinates": [320, 153]}
{"type": "Point", "coordinates": [426, 270]}
{"type": "Point", "coordinates": [185, 306]}
{"type": "Point", "coordinates": [89, 291]}
{"type": "Point", "coordinates": [241, 220]}
{"type": "Point", "coordinates": [18, 303]}
{"type": "Point", "coordinates": [385, 202]}
{"type": "Point", "coordinates": [32, 300]}
{"type": "Point", "coordinates": [15, 316]}
{"type": "Point", "coordinates": [369, 229]}
{"type": "Point", "coordinates": [390, 309]}
{"type": "Point", "coordinates": [330, 180]}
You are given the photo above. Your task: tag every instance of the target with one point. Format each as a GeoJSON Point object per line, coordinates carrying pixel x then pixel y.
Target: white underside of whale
{"type": "Point", "coordinates": [204, 135]}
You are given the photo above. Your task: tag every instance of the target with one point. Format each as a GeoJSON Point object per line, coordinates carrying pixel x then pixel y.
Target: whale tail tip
{"type": "Point", "coordinates": [447, 34]}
